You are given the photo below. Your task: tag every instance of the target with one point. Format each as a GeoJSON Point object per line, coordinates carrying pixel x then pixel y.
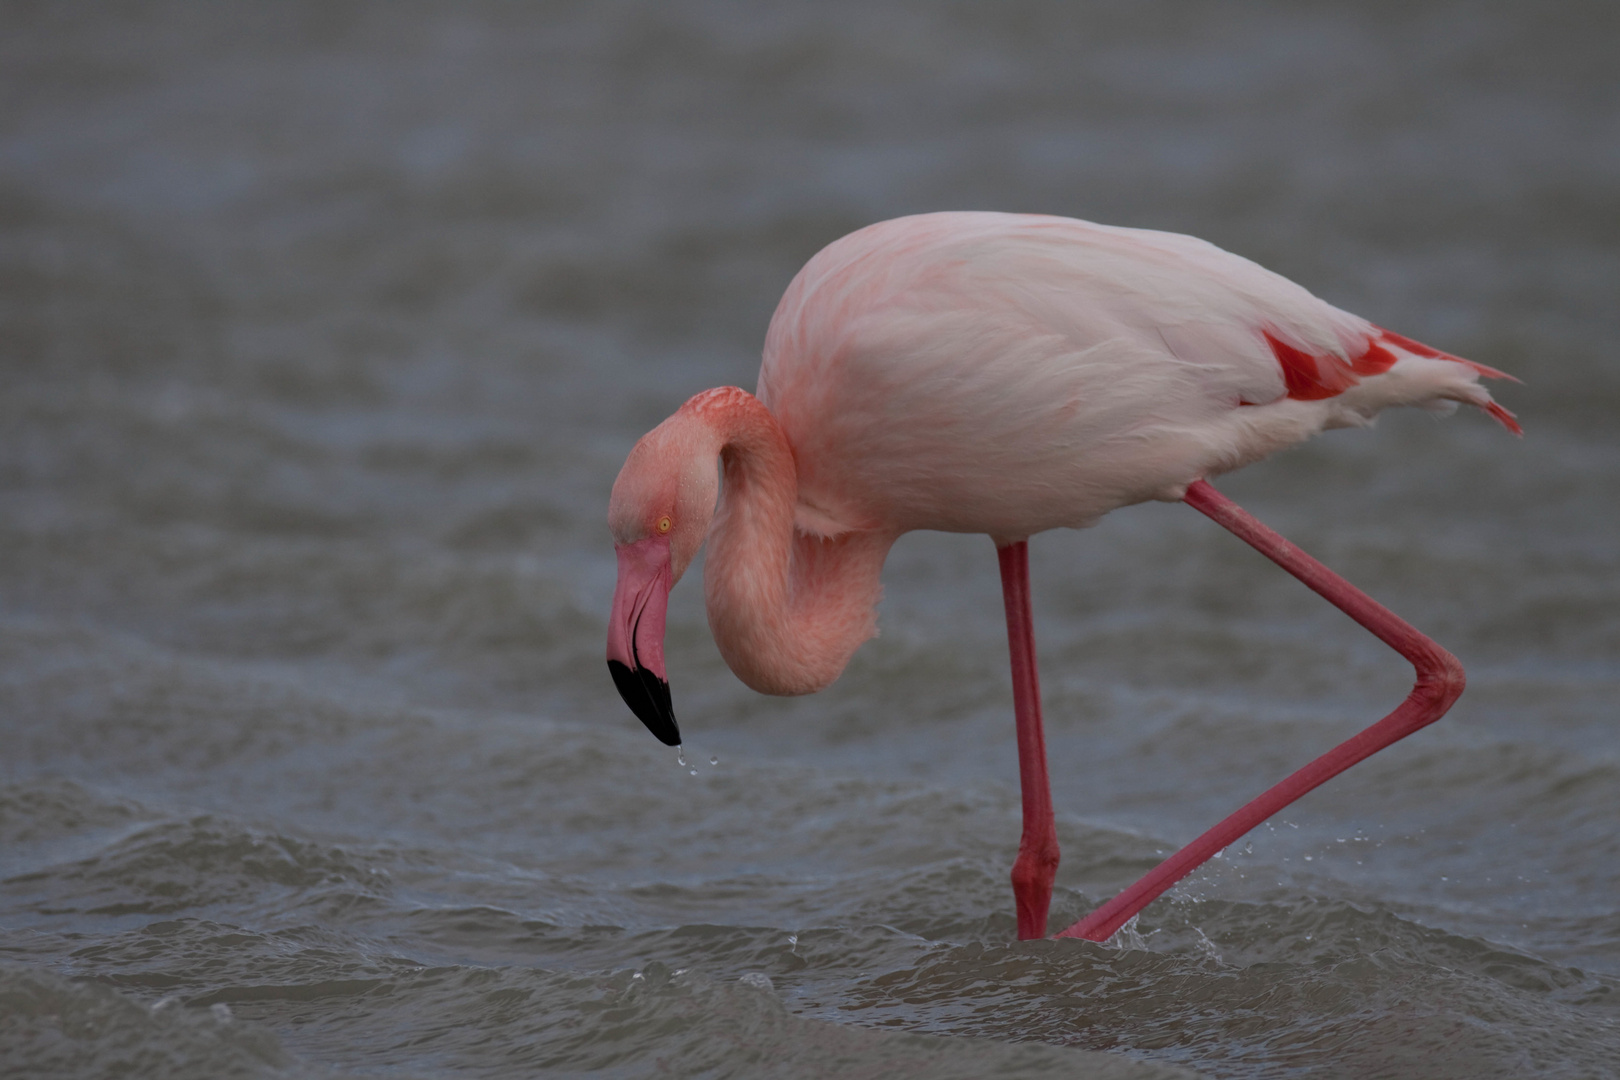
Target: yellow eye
{"type": "Point", "coordinates": [664, 525]}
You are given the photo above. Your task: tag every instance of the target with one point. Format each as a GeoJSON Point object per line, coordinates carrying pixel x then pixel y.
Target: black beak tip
{"type": "Point", "coordinates": [648, 697]}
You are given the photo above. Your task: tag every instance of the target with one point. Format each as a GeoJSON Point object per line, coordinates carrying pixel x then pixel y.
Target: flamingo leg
{"type": "Point", "coordinates": [1439, 682]}
{"type": "Point", "coordinates": [1037, 862]}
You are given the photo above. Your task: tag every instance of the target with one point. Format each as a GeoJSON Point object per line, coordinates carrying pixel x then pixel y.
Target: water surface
{"type": "Point", "coordinates": [324, 329]}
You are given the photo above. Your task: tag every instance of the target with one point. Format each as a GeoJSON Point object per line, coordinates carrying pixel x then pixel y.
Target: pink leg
{"type": "Point", "coordinates": [1439, 682]}
{"type": "Point", "coordinates": [1037, 862]}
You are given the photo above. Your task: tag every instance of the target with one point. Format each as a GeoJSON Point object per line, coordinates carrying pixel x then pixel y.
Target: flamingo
{"type": "Point", "coordinates": [1002, 374]}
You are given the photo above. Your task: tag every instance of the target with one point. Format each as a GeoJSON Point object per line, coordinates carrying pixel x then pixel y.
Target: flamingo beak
{"type": "Point", "coordinates": [635, 646]}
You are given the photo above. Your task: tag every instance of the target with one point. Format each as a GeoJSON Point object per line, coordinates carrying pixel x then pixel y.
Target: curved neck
{"type": "Point", "coordinates": [788, 609]}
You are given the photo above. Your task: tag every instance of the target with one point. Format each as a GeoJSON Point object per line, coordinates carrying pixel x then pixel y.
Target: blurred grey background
{"type": "Point", "coordinates": [324, 328]}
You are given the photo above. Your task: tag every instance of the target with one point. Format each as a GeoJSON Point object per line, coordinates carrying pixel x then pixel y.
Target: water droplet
{"type": "Point", "coordinates": [680, 755]}
{"type": "Point", "coordinates": [692, 771]}
{"type": "Point", "coordinates": [714, 760]}
{"type": "Point", "coordinates": [1307, 858]}
{"type": "Point", "coordinates": [221, 1011]}
{"type": "Point", "coordinates": [793, 942]}
{"type": "Point", "coordinates": [758, 980]}
{"type": "Point", "coordinates": [637, 975]}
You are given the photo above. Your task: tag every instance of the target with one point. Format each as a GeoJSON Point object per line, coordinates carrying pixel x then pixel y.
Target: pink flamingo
{"type": "Point", "coordinates": [1001, 374]}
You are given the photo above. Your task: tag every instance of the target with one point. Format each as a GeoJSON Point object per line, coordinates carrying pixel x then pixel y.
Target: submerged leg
{"type": "Point", "coordinates": [1439, 682]}
{"type": "Point", "coordinates": [1037, 862]}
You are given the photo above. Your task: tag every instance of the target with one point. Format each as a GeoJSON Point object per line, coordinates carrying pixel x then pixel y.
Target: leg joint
{"type": "Point", "coordinates": [1441, 680]}
{"type": "Point", "coordinates": [1036, 862]}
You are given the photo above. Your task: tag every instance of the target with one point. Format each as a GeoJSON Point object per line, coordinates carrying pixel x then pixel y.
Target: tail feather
{"type": "Point", "coordinates": [1417, 348]}
{"type": "Point", "coordinates": [1482, 400]}
{"type": "Point", "coordinates": [1502, 416]}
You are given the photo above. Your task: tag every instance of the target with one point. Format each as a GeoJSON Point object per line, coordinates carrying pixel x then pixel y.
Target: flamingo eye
{"type": "Point", "coordinates": [664, 525]}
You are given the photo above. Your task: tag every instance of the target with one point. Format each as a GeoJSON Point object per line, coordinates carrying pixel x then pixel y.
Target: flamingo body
{"type": "Point", "coordinates": [1008, 374]}
{"type": "Point", "coordinates": [1004, 374]}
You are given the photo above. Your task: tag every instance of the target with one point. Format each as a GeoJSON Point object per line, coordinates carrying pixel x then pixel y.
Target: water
{"type": "Point", "coordinates": [324, 330]}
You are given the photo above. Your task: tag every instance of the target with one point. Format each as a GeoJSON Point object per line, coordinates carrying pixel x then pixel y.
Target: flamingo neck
{"type": "Point", "coordinates": [788, 609]}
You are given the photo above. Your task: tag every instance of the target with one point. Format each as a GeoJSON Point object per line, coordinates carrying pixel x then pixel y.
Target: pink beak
{"type": "Point", "coordinates": [635, 645]}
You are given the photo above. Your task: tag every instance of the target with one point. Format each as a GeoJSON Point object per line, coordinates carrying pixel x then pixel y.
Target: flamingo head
{"type": "Point", "coordinates": [660, 510]}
